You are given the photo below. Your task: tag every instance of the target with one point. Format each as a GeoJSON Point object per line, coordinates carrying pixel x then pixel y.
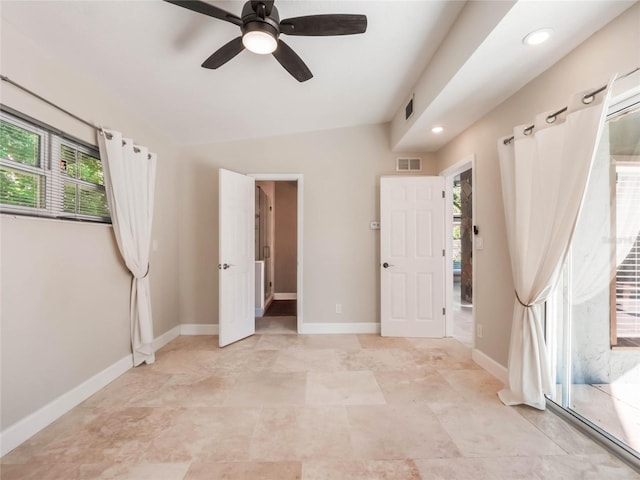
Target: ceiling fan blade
{"type": "Point", "coordinates": [291, 62]}
{"type": "Point", "coordinates": [224, 54]}
{"type": "Point", "coordinates": [324, 25]}
{"type": "Point", "coordinates": [267, 3]}
{"type": "Point", "coordinates": [207, 9]}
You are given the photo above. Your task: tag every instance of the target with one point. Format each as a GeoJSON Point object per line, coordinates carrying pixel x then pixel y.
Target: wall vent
{"type": "Point", "coordinates": [408, 110]}
{"type": "Point", "coordinates": [408, 164]}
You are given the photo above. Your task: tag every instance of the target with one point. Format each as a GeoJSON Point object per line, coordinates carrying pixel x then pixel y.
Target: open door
{"type": "Point", "coordinates": [412, 256]}
{"type": "Point", "coordinates": [236, 255]}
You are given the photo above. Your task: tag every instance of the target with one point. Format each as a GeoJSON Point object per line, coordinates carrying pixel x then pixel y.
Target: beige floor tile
{"type": "Point", "coordinates": [412, 386]}
{"type": "Point", "coordinates": [343, 388]}
{"type": "Point", "coordinates": [515, 468]}
{"type": "Point", "coordinates": [70, 424]}
{"type": "Point", "coordinates": [189, 390]}
{"type": "Point", "coordinates": [242, 360]}
{"type": "Point", "coordinates": [561, 432]}
{"type": "Point", "coordinates": [473, 385]}
{"type": "Point", "coordinates": [44, 471]}
{"type": "Point", "coordinates": [182, 361]}
{"type": "Point", "coordinates": [335, 342]}
{"type": "Point", "coordinates": [212, 434]}
{"type": "Point", "coordinates": [454, 469]}
{"type": "Point", "coordinates": [129, 389]}
{"type": "Point", "coordinates": [451, 345]}
{"type": "Point", "coordinates": [301, 433]}
{"type": "Point", "coordinates": [439, 358]}
{"type": "Point", "coordinates": [377, 341]}
{"type": "Point", "coordinates": [110, 435]}
{"type": "Point", "coordinates": [278, 341]}
{"type": "Point", "coordinates": [306, 360]}
{"type": "Point", "coordinates": [136, 471]}
{"type": "Point", "coordinates": [245, 471]}
{"type": "Point", "coordinates": [268, 388]}
{"type": "Point", "coordinates": [585, 467]}
{"type": "Point", "coordinates": [398, 431]}
{"type": "Point", "coordinates": [376, 359]}
{"type": "Point", "coordinates": [361, 470]}
{"type": "Point", "coordinates": [493, 430]}
{"type": "Point", "coordinates": [291, 406]}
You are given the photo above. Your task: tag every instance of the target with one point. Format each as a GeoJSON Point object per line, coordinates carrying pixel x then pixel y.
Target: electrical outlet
{"type": "Point", "coordinates": [338, 308]}
{"type": "Point", "coordinates": [479, 330]}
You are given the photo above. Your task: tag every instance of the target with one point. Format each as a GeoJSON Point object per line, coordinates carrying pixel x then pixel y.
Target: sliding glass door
{"type": "Point", "coordinates": [594, 317]}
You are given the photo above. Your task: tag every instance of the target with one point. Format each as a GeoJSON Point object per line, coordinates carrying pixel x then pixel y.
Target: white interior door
{"type": "Point", "coordinates": [236, 256]}
{"type": "Point", "coordinates": [412, 256]}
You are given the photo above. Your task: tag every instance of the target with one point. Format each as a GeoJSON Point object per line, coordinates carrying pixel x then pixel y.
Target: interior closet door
{"type": "Point", "coordinates": [412, 256]}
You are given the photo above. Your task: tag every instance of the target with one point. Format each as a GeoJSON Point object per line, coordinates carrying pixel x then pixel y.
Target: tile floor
{"type": "Point", "coordinates": [358, 407]}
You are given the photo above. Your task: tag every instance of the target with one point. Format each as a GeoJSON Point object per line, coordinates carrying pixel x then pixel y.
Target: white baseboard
{"type": "Point", "coordinates": [32, 424]}
{"type": "Point", "coordinates": [165, 338]}
{"type": "Point", "coordinates": [285, 296]}
{"type": "Point", "coordinates": [198, 329]}
{"type": "Point", "coordinates": [490, 365]}
{"type": "Point", "coordinates": [259, 312]}
{"type": "Point", "coordinates": [344, 328]}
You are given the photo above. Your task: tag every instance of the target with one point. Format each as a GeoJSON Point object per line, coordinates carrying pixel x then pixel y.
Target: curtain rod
{"type": "Point", "coordinates": [48, 102]}
{"type": "Point", "coordinates": [588, 98]}
{"type": "Point", "coordinates": [72, 115]}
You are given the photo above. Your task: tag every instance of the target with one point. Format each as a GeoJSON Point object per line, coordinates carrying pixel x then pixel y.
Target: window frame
{"type": "Point", "coordinates": [630, 103]}
{"type": "Point", "coordinates": [51, 141]}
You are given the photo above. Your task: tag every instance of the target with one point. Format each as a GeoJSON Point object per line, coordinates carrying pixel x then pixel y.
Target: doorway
{"type": "Point", "coordinates": [460, 231]}
{"type": "Point", "coordinates": [278, 253]}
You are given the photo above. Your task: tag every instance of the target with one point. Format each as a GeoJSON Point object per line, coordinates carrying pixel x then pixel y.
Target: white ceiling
{"type": "Point", "coordinates": [148, 53]}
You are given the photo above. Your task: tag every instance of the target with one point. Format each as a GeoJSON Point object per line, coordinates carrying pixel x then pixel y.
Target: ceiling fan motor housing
{"type": "Point", "coordinates": [259, 20]}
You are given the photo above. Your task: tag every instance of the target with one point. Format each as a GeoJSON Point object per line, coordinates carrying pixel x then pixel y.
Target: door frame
{"type": "Point", "coordinates": [449, 174]}
{"type": "Point", "coordinates": [299, 179]}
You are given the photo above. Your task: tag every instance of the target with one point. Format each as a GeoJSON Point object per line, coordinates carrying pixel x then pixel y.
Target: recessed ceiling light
{"type": "Point", "coordinates": [537, 36]}
{"type": "Point", "coordinates": [437, 129]}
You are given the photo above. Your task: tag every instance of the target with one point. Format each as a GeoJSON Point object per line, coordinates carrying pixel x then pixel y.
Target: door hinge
{"type": "Point", "coordinates": [443, 252]}
{"type": "Point", "coordinates": [442, 193]}
{"type": "Point", "coordinates": [444, 311]}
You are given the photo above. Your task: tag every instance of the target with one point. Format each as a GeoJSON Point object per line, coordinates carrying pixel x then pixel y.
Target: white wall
{"type": "Point", "coordinates": [615, 48]}
{"type": "Point", "coordinates": [341, 171]}
{"type": "Point", "coordinates": [65, 292]}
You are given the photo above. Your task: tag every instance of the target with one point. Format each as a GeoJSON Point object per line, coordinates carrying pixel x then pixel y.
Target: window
{"type": "Point", "coordinates": [44, 173]}
{"type": "Point", "coordinates": [625, 288]}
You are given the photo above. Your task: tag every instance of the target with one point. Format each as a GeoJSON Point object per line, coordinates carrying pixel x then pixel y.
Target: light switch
{"type": "Point", "coordinates": [479, 243]}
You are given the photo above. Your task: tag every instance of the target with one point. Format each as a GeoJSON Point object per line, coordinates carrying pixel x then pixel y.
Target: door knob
{"type": "Point", "coordinates": [386, 265]}
{"type": "Point", "coordinates": [224, 266]}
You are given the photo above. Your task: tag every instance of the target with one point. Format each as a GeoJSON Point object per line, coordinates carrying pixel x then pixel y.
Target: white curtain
{"type": "Point", "coordinates": [544, 174]}
{"type": "Point", "coordinates": [130, 172]}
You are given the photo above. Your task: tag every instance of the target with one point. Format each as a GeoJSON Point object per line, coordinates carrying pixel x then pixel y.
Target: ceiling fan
{"type": "Point", "coordinates": [261, 28]}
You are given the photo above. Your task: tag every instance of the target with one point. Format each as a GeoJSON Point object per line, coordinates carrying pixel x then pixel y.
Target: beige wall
{"type": "Point", "coordinates": [64, 291]}
{"type": "Point", "coordinates": [285, 248]}
{"type": "Point", "coordinates": [341, 171]}
{"type": "Point", "coordinates": [615, 48]}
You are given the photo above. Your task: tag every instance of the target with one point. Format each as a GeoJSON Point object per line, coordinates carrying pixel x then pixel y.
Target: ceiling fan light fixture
{"type": "Point", "coordinates": [260, 40]}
